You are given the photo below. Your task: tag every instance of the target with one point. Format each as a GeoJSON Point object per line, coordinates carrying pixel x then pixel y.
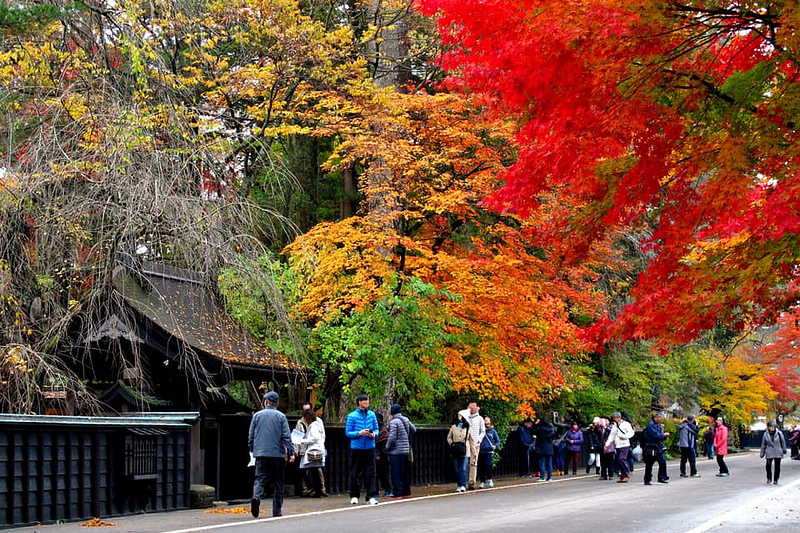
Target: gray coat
{"type": "Point", "coordinates": [269, 434]}
{"type": "Point", "coordinates": [773, 446]}
{"type": "Point", "coordinates": [400, 431]}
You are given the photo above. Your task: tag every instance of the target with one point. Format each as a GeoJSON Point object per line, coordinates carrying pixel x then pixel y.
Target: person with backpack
{"type": "Point", "coordinates": [398, 448]}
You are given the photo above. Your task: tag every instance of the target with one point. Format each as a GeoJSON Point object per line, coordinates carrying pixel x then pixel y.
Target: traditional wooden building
{"type": "Point", "coordinates": [168, 346]}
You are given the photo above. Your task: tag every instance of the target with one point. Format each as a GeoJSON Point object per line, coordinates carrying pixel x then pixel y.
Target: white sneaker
{"type": "Point", "coordinates": [373, 501]}
{"type": "Point", "coordinates": [353, 501]}
{"type": "Point", "coordinates": [461, 489]}
{"type": "Point", "coordinates": [491, 483]}
{"type": "Point", "coordinates": [481, 485]}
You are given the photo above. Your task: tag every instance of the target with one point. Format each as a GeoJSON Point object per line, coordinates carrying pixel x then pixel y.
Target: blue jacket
{"type": "Point", "coordinates": [525, 435]}
{"type": "Point", "coordinates": [491, 439]}
{"type": "Point", "coordinates": [356, 421]}
{"type": "Point", "coordinates": [269, 434]}
{"type": "Point", "coordinates": [654, 435]}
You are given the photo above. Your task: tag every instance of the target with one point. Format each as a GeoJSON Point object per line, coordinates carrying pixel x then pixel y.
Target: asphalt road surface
{"type": "Point", "coordinates": [741, 503]}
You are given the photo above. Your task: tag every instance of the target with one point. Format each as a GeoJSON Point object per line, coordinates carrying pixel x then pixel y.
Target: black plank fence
{"type": "Point", "coordinates": [56, 468]}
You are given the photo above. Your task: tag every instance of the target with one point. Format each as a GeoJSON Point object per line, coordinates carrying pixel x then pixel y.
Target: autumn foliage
{"type": "Point", "coordinates": [678, 120]}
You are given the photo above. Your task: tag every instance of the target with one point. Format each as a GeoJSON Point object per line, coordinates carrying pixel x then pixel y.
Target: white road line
{"type": "Point", "coordinates": [730, 515]}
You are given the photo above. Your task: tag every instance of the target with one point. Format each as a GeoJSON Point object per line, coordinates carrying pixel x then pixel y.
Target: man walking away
{"type": "Point", "coordinates": [270, 443]}
{"type": "Point", "coordinates": [687, 442]}
{"type": "Point", "coordinates": [361, 428]}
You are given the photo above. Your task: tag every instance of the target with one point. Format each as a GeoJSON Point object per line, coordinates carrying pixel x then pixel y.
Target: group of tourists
{"type": "Point", "coordinates": [381, 454]}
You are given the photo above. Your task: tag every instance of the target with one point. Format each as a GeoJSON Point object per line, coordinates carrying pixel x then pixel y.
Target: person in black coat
{"type": "Point", "coordinates": [544, 448]}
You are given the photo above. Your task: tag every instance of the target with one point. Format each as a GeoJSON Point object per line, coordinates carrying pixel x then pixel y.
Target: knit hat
{"type": "Point", "coordinates": [395, 408]}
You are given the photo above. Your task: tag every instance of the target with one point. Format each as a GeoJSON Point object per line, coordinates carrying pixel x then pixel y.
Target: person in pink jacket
{"type": "Point", "coordinates": [721, 447]}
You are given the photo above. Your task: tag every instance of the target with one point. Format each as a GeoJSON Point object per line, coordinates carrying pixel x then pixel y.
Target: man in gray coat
{"type": "Point", "coordinates": [270, 443]}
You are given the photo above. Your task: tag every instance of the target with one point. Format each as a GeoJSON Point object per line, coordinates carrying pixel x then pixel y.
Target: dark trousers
{"type": "Point", "coordinates": [485, 466]}
{"type": "Point", "coordinates": [723, 468]}
{"type": "Point", "coordinates": [269, 479]}
{"type": "Point", "coordinates": [770, 477]}
{"type": "Point", "coordinates": [571, 458]}
{"type": "Point", "coordinates": [607, 465]}
{"type": "Point", "coordinates": [401, 474]}
{"type": "Point", "coordinates": [688, 454]}
{"type": "Point", "coordinates": [315, 478]}
{"type": "Point", "coordinates": [648, 467]}
{"type": "Point", "coordinates": [382, 470]}
{"type": "Point", "coordinates": [622, 462]}
{"type": "Point", "coordinates": [527, 461]}
{"type": "Point", "coordinates": [362, 472]}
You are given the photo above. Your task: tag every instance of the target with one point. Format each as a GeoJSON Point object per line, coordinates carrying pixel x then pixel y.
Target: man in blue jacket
{"type": "Point", "coordinates": [361, 428]}
{"type": "Point", "coordinates": [270, 443]}
{"type": "Point", "coordinates": [654, 437]}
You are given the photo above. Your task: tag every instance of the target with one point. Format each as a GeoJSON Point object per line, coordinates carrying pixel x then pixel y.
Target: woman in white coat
{"type": "Point", "coordinates": [313, 461]}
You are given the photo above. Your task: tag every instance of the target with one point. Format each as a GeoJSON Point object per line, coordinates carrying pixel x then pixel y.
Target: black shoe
{"type": "Point", "coordinates": [683, 475]}
{"type": "Point", "coordinates": [276, 514]}
{"type": "Point", "coordinates": [663, 481]}
{"type": "Point", "coordinates": [647, 483]}
{"type": "Point", "coordinates": [254, 503]}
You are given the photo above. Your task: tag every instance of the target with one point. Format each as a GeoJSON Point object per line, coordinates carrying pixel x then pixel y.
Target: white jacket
{"type": "Point", "coordinates": [314, 440]}
{"type": "Point", "coordinates": [621, 435]}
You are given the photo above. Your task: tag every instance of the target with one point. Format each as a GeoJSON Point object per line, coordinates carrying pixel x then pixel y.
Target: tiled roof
{"type": "Point", "coordinates": [175, 300]}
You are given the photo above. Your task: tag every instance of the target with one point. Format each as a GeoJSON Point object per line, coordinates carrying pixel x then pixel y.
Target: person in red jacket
{"type": "Point", "coordinates": [721, 447]}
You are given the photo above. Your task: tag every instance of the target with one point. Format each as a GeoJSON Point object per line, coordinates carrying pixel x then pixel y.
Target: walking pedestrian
{"type": "Point", "coordinates": [478, 429]}
{"type": "Point", "coordinates": [654, 437]}
{"type": "Point", "coordinates": [270, 443]}
{"type": "Point", "coordinates": [489, 444]}
{"type": "Point", "coordinates": [687, 440]}
{"type": "Point", "coordinates": [622, 444]}
{"type": "Point", "coordinates": [773, 448]}
{"type": "Point", "coordinates": [361, 427]}
{"type": "Point", "coordinates": [721, 447]}
{"type": "Point", "coordinates": [398, 448]}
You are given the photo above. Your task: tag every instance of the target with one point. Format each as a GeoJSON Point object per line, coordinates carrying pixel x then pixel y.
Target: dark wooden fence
{"type": "Point", "coordinates": [432, 465]}
{"type": "Point", "coordinates": [72, 468]}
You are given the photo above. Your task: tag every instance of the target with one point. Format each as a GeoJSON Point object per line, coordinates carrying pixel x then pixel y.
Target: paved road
{"type": "Point", "coordinates": [741, 503]}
